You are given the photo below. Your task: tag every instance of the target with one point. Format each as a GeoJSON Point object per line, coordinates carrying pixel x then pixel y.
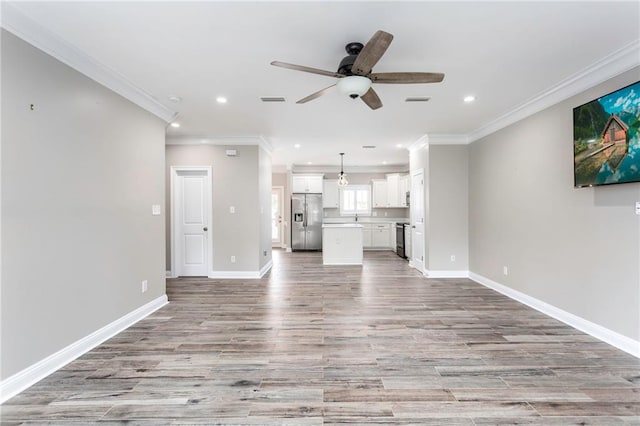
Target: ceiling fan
{"type": "Point", "coordinates": [355, 72]}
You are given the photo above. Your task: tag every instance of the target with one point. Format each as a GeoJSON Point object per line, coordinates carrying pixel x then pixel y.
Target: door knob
{"type": "Point", "coordinates": [205, 229]}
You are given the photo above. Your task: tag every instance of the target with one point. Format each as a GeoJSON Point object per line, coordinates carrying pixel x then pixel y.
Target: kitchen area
{"type": "Point", "coordinates": [371, 212]}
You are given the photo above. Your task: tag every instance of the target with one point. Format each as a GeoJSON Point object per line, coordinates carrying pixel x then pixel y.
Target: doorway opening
{"type": "Point", "coordinates": [277, 212]}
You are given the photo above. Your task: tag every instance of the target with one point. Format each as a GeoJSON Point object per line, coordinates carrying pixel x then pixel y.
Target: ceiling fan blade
{"type": "Point", "coordinates": [306, 69]}
{"type": "Point", "coordinates": [371, 99]}
{"type": "Point", "coordinates": [371, 53]}
{"type": "Point", "coordinates": [406, 77]}
{"type": "Point", "coordinates": [317, 94]}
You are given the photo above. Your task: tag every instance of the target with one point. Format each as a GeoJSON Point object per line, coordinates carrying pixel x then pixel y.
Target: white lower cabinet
{"type": "Point", "coordinates": [381, 235]}
{"type": "Point", "coordinates": [366, 236]}
{"type": "Point", "coordinates": [376, 235]}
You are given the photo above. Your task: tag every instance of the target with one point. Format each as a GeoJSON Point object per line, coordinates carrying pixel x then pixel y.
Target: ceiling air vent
{"type": "Point", "coordinates": [417, 99]}
{"type": "Point", "coordinates": [368, 146]}
{"type": "Point", "coordinates": [271, 99]}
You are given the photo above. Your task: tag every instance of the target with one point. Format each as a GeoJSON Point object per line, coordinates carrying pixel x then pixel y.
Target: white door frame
{"type": "Point", "coordinates": [208, 199]}
{"type": "Point", "coordinates": [280, 189]}
{"type": "Point", "coordinates": [414, 262]}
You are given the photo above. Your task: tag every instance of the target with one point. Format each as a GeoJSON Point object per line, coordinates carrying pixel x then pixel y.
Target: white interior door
{"type": "Point", "coordinates": [277, 210]}
{"type": "Point", "coordinates": [417, 220]}
{"type": "Point", "coordinates": [191, 210]}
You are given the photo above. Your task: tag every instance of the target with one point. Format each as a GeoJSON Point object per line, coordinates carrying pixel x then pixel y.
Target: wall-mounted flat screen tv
{"type": "Point", "coordinates": [606, 139]}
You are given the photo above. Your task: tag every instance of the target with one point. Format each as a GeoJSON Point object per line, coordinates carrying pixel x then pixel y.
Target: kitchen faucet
{"type": "Point", "coordinates": [356, 217]}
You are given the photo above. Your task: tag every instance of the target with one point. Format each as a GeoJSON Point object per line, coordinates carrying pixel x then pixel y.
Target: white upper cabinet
{"type": "Point", "coordinates": [393, 182]}
{"type": "Point", "coordinates": [380, 196]}
{"type": "Point", "coordinates": [306, 184]}
{"type": "Point", "coordinates": [397, 187]}
{"type": "Point", "coordinates": [404, 186]}
{"type": "Point", "coordinates": [330, 194]}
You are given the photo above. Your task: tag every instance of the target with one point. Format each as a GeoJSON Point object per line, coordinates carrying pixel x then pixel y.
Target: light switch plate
{"type": "Point", "coordinates": [155, 210]}
{"type": "Point", "coordinates": [232, 209]}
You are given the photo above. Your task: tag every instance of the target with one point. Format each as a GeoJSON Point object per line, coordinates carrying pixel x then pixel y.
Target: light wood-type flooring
{"type": "Point", "coordinates": [312, 344]}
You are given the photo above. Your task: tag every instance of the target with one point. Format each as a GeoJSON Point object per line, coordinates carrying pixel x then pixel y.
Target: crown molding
{"type": "Point", "coordinates": [606, 68]}
{"type": "Point", "coordinates": [421, 142]}
{"type": "Point", "coordinates": [442, 139]}
{"type": "Point", "coordinates": [391, 168]}
{"type": "Point", "coordinates": [260, 141]}
{"type": "Point", "coordinates": [21, 25]}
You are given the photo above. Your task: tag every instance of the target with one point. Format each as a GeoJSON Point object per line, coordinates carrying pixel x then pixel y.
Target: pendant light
{"type": "Point", "coordinates": [342, 179]}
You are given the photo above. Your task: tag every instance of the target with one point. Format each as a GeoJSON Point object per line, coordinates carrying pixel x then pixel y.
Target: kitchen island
{"type": "Point", "coordinates": [342, 244]}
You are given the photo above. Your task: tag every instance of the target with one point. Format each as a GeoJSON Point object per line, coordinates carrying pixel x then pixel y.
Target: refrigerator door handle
{"type": "Point", "coordinates": [304, 216]}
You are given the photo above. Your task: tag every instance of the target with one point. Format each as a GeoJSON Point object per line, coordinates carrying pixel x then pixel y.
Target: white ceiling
{"type": "Point", "coordinates": [504, 53]}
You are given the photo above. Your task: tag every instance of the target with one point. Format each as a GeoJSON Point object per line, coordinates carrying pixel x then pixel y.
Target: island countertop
{"type": "Point", "coordinates": [341, 225]}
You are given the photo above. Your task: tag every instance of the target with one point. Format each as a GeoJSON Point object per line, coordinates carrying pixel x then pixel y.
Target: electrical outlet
{"type": "Point", "coordinates": [232, 209]}
{"type": "Point", "coordinates": [453, 257]}
{"type": "Point", "coordinates": [145, 286]}
{"type": "Point", "coordinates": [505, 270]}
{"type": "Point", "coordinates": [233, 259]}
{"type": "Point", "coordinates": [385, 214]}
{"type": "Point", "coordinates": [264, 252]}
{"type": "Point", "coordinates": [638, 207]}
{"type": "Point", "coordinates": [375, 214]}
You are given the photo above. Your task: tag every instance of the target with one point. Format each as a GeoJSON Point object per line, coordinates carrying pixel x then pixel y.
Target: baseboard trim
{"type": "Point", "coordinates": [266, 268]}
{"type": "Point", "coordinates": [611, 337]}
{"type": "Point", "coordinates": [168, 274]}
{"type": "Point", "coordinates": [22, 380]}
{"type": "Point", "coordinates": [241, 275]}
{"type": "Point", "coordinates": [447, 274]}
{"type": "Point", "coordinates": [289, 250]}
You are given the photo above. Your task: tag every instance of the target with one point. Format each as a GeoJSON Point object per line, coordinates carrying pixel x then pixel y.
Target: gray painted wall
{"type": "Point", "coordinates": [446, 205]}
{"type": "Point", "coordinates": [448, 208]}
{"type": "Point", "coordinates": [236, 182]}
{"type": "Point", "coordinates": [79, 176]}
{"type": "Point", "coordinates": [576, 249]}
{"type": "Point", "coordinates": [264, 193]}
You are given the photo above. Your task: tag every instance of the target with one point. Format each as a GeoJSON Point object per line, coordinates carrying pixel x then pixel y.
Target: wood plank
{"type": "Point", "coordinates": [310, 344]}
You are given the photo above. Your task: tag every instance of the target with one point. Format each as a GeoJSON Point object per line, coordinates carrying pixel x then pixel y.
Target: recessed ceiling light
{"type": "Point", "coordinates": [175, 124]}
{"type": "Point", "coordinates": [398, 145]}
{"type": "Point", "coordinates": [175, 99]}
{"type": "Point", "coordinates": [221, 100]}
{"type": "Point", "coordinates": [469, 98]}
{"type": "Point", "coordinates": [384, 162]}
{"type": "Point", "coordinates": [368, 146]}
{"type": "Point", "coordinates": [297, 145]}
{"type": "Point", "coordinates": [309, 162]}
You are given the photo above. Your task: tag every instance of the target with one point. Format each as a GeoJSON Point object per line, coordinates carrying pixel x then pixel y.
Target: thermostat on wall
{"type": "Point", "coordinates": [231, 152]}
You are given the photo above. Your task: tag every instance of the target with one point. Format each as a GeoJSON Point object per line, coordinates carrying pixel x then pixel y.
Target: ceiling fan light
{"type": "Point", "coordinates": [354, 85]}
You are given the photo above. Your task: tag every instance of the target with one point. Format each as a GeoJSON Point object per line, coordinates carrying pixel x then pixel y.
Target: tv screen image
{"type": "Point", "coordinates": [606, 139]}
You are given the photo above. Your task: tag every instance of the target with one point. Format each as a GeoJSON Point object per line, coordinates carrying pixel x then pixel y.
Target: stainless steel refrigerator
{"type": "Point", "coordinates": [306, 222]}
